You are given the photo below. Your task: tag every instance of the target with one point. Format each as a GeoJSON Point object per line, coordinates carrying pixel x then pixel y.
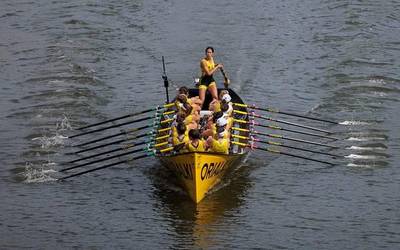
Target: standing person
{"type": "Point", "coordinates": [207, 81]}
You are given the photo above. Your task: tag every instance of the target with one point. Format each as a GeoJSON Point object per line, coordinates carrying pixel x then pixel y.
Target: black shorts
{"type": "Point", "coordinates": [206, 80]}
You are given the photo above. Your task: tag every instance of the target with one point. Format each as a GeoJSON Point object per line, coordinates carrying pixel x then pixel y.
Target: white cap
{"type": "Point", "coordinates": [221, 122]}
{"type": "Point", "coordinates": [226, 98]}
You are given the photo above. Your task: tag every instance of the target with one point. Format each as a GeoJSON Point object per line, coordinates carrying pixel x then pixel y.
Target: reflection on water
{"type": "Point", "coordinates": [197, 224]}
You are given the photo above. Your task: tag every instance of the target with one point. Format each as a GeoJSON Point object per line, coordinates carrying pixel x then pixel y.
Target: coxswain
{"type": "Point", "coordinates": [207, 82]}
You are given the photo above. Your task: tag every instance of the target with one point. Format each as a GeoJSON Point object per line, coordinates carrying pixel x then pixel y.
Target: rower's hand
{"type": "Point", "coordinates": [219, 66]}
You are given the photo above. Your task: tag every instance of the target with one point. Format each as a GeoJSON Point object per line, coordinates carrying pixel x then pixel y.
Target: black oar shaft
{"type": "Point", "coordinates": [118, 118]}
{"type": "Point", "coordinates": [297, 148]}
{"type": "Point", "coordinates": [273, 110]}
{"type": "Point", "coordinates": [291, 123]}
{"type": "Point", "coordinates": [111, 143]}
{"type": "Point", "coordinates": [293, 139]}
{"type": "Point", "coordinates": [103, 159]}
{"type": "Point", "coordinates": [296, 131]}
{"type": "Point", "coordinates": [113, 126]}
{"type": "Point", "coordinates": [293, 155]}
{"type": "Point", "coordinates": [110, 151]}
{"type": "Point", "coordinates": [103, 167]}
{"type": "Point", "coordinates": [128, 131]}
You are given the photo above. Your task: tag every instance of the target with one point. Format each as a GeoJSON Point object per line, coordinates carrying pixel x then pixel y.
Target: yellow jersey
{"type": "Point", "coordinates": [200, 147]}
{"type": "Point", "coordinates": [220, 146]}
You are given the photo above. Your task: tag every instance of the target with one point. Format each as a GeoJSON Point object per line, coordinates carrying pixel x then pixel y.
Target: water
{"type": "Point", "coordinates": [64, 64]}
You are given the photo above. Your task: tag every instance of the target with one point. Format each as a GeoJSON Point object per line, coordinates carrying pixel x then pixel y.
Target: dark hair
{"type": "Point", "coordinates": [183, 90]}
{"type": "Point", "coordinates": [180, 117]}
{"type": "Point", "coordinates": [181, 98]}
{"type": "Point", "coordinates": [217, 115]}
{"type": "Point", "coordinates": [211, 48]}
{"type": "Point", "coordinates": [181, 128]}
{"type": "Point", "coordinates": [224, 106]}
{"type": "Point", "coordinates": [194, 134]}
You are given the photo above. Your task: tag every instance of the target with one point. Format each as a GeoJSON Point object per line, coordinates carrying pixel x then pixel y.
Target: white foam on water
{"type": "Point", "coordinates": [366, 138]}
{"type": "Point", "coordinates": [359, 165]}
{"type": "Point", "coordinates": [64, 124]}
{"type": "Point", "coordinates": [351, 123]}
{"type": "Point", "coordinates": [34, 174]}
{"type": "Point", "coordinates": [355, 156]}
{"type": "Point", "coordinates": [365, 148]}
{"type": "Point", "coordinates": [47, 142]}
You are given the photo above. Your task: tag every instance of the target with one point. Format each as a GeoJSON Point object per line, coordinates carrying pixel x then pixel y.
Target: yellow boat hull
{"type": "Point", "coordinates": [200, 172]}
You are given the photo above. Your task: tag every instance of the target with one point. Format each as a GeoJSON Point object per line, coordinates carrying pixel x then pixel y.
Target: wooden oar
{"type": "Point", "coordinates": [293, 131]}
{"type": "Point", "coordinates": [254, 123]}
{"type": "Point", "coordinates": [272, 110]}
{"type": "Point", "coordinates": [282, 153]}
{"type": "Point", "coordinates": [128, 115]}
{"type": "Point", "coordinates": [281, 121]}
{"type": "Point", "coordinates": [113, 126]}
{"type": "Point", "coordinates": [103, 159]}
{"type": "Point", "coordinates": [292, 139]}
{"type": "Point", "coordinates": [297, 148]}
{"type": "Point", "coordinates": [122, 147]}
{"type": "Point", "coordinates": [106, 166]}
{"type": "Point", "coordinates": [283, 137]}
{"type": "Point", "coordinates": [112, 143]}
{"type": "Point", "coordinates": [226, 79]}
{"type": "Point", "coordinates": [123, 132]}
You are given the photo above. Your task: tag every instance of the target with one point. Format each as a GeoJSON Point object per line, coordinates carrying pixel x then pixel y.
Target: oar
{"type": "Point", "coordinates": [272, 110]}
{"type": "Point", "coordinates": [297, 148]}
{"type": "Point", "coordinates": [293, 131]}
{"type": "Point", "coordinates": [105, 166]}
{"type": "Point", "coordinates": [113, 126]}
{"type": "Point", "coordinates": [252, 131]}
{"type": "Point", "coordinates": [253, 123]}
{"type": "Point", "coordinates": [111, 143]}
{"type": "Point", "coordinates": [118, 118]}
{"type": "Point", "coordinates": [168, 105]}
{"type": "Point", "coordinates": [123, 147]}
{"type": "Point", "coordinates": [123, 132]}
{"type": "Point", "coordinates": [103, 159]}
{"type": "Point", "coordinates": [293, 139]}
{"type": "Point", "coordinates": [226, 79]}
{"type": "Point", "coordinates": [282, 153]}
{"type": "Point", "coordinates": [282, 121]}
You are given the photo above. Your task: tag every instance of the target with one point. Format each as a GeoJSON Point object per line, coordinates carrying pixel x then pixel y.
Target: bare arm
{"type": "Point", "coordinates": [205, 69]}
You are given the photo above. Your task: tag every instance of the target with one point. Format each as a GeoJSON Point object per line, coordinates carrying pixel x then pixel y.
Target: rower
{"type": "Point", "coordinates": [220, 143]}
{"type": "Point", "coordinates": [180, 138]}
{"type": "Point", "coordinates": [196, 144]}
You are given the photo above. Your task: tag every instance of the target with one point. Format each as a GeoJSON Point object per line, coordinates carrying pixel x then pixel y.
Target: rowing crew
{"type": "Point", "coordinates": [202, 131]}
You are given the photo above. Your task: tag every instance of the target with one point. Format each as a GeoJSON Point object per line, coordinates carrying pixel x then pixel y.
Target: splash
{"type": "Point", "coordinates": [48, 142]}
{"type": "Point", "coordinates": [34, 174]}
{"type": "Point", "coordinates": [366, 139]}
{"type": "Point", "coordinates": [355, 156]}
{"type": "Point", "coordinates": [366, 148]}
{"type": "Point", "coordinates": [359, 165]}
{"type": "Point", "coordinates": [353, 123]}
{"type": "Point", "coordinates": [64, 124]}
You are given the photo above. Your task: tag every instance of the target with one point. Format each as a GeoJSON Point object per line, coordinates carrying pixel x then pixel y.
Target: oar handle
{"type": "Point", "coordinates": [226, 79]}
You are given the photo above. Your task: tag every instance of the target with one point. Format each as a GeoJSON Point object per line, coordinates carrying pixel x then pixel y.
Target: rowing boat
{"type": "Point", "coordinates": [199, 172]}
